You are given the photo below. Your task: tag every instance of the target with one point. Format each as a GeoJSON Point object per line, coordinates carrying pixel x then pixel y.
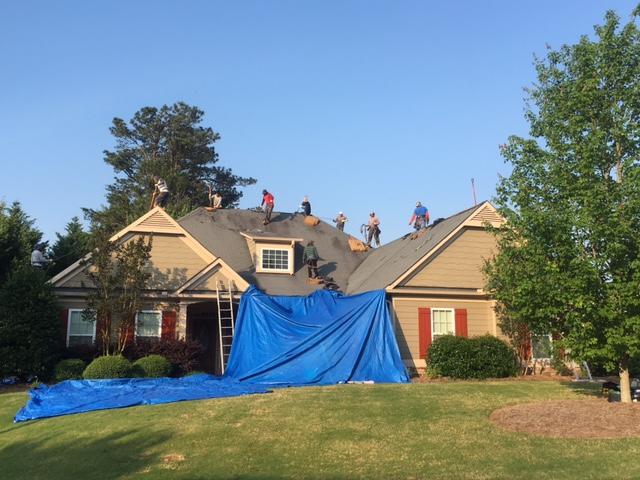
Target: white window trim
{"type": "Point", "coordinates": [550, 337]}
{"type": "Point", "coordinates": [440, 309]}
{"type": "Point", "coordinates": [93, 335]}
{"type": "Point", "coordinates": [288, 249]}
{"type": "Point", "coordinates": [159, 325]}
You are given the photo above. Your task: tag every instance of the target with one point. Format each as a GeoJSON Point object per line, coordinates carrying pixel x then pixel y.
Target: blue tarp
{"type": "Point", "coordinates": [322, 339]}
{"type": "Point", "coordinates": [76, 396]}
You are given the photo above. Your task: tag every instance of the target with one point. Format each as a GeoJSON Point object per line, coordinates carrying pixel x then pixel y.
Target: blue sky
{"type": "Point", "coordinates": [361, 105]}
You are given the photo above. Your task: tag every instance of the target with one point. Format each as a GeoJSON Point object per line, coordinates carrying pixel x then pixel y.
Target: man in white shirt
{"type": "Point", "coordinates": [161, 192]}
{"type": "Point", "coordinates": [38, 260]}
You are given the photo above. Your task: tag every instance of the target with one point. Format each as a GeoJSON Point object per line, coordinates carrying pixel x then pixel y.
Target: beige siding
{"type": "Point", "coordinates": [173, 262]}
{"type": "Point", "coordinates": [459, 264]}
{"type": "Point", "coordinates": [480, 320]}
{"type": "Point", "coordinates": [79, 280]}
{"type": "Point", "coordinates": [210, 281]}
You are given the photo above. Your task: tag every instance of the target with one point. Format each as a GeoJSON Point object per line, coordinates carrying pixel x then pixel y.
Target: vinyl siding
{"type": "Point", "coordinates": [458, 265]}
{"type": "Point", "coordinates": [480, 320]}
{"type": "Point", "coordinates": [172, 262]}
{"type": "Point", "coordinates": [210, 282]}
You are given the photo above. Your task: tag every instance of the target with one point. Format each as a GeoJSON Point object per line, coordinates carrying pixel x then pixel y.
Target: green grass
{"type": "Point", "coordinates": [356, 431]}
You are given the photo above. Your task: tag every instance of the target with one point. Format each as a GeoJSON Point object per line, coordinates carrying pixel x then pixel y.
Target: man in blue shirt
{"type": "Point", "coordinates": [420, 218]}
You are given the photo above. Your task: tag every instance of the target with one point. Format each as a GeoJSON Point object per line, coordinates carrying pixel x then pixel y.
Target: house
{"type": "Point", "coordinates": [201, 264]}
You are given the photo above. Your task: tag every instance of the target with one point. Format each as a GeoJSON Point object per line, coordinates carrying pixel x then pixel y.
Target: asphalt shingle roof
{"type": "Point", "coordinates": [219, 232]}
{"type": "Point", "coordinates": [388, 262]}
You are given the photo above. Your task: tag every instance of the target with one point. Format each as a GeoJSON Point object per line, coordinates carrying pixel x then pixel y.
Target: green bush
{"type": "Point", "coordinates": [30, 333]}
{"type": "Point", "coordinates": [108, 366]}
{"type": "Point", "coordinates": [477, 357]}
{"type": "Point", "coordinates": [152, 366]}
{"type": "Point", "coordinates": [70, 369]}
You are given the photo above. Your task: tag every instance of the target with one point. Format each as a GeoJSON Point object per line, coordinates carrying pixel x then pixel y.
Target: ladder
{"type": "Point", "coordinates": [226, 322]}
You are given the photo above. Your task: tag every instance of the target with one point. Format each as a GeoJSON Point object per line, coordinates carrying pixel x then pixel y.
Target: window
{"type": "Point", "coordinates": [442, 322]}
{"type": "Point", "coordinates": [275, 259]}
{"type": "Point", "coordinates": [541, 347]}
{"type": "Point", "coordinates": [149, 324]}
{"type": "Point", "coordinates": [80, 331]}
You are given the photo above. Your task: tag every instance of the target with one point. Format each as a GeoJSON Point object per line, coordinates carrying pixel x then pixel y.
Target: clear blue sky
{"type": "Point", "coordinates": [361, 105]}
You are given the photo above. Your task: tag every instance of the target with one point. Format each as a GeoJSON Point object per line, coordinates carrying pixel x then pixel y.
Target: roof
{"type": "Point", "coordinates": [221, 232]}
{"type": "Point", "coordinates": [387, 263]}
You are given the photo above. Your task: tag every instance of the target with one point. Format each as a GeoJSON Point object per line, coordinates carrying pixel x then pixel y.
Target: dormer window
{"type": "Point", "coordinates": [272, 254]}
{"type": "Point", "coordinates": [275, 258]}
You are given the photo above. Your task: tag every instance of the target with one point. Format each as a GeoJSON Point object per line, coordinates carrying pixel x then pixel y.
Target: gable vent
{"type": "Point", "coordinates": [487, 215]}
{"type": "Point", "coordinates": [157, 221]}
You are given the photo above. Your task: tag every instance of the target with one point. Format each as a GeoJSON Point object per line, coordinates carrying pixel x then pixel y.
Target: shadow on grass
{"type": "Point", "coordinates": [587, 389]}
{"type": "Point", "coordinates": [59, 453]}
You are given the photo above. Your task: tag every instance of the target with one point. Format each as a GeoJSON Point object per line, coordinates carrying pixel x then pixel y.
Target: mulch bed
{"type": "Point", "coordinates": [591, 418]}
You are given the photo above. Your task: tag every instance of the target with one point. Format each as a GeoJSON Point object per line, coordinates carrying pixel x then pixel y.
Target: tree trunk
{"type": "Point", "coordinates": [625, 386]}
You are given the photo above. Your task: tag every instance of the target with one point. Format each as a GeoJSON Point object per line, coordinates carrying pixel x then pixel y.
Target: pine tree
{"type": "Point", "coordinates": [169, 142]}
{"type": "Point", "coordinates": [69, 247]}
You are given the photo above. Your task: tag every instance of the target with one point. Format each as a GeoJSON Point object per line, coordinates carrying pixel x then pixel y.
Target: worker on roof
{"type": "Point", "coordinates": [310, 257]}
{"type": "Point", "coordinates": [38, 259]}
{"type": "Point", "coordinates": [268, 203]}
{"type": "Point", "coordinates": [420, 218]}
{"type": "Point", "coordinates": [340, 220]}
{"type": "Point", "coordinates": [373, 229]}
{"type": "Point", "coordinates": [160, 192]}
{"type": "Point", "coordinates": [305, 206]}
{"type": "Point", "coordinates": [215, 199]}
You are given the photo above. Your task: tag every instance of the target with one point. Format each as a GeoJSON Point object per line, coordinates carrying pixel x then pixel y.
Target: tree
{"type": "Point", "coordinates": [18, 236]}
{"type": "Point", "coordinates": [118, 277]}
{"type": "Point", "coordinates": [69, 247]}
{"type": "Point", "coordinates": [30, 333]}
{"type": "Point", "coordinates": [172, 143]}
{"type": "Point", "coordinates": [568, 260]}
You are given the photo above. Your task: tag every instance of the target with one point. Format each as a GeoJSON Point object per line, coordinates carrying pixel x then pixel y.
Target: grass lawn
{"type": "Point", "coordinates": [438, 430]}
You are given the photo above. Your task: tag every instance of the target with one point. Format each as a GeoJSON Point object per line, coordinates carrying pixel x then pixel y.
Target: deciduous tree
{"type": "Point", "coordinates": [569, 254]}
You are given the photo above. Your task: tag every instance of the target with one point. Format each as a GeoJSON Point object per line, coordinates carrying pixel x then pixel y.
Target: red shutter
{"type": "Point", "coordinates": [169, 325]}
{"type": "Point", "coordinates": [461, 322]}
{"type": "Point", "coordinates": [64, 322]}
{"type": "Point", "coordinates": [100, 326]}
{"type": "Point", "coordinates": [424, 330]}
{"type": "Point", "coordinates": [129, 332]}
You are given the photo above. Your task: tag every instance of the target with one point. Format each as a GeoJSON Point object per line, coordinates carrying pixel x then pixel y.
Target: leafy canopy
{"type": "Point", "coordinates": [568, 260]}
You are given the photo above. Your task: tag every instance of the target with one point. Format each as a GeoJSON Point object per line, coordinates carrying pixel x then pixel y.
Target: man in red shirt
{"type": "Point", "coordinates": [268, 203]}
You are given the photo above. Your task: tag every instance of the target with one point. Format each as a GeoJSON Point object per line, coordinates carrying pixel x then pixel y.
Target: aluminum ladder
{"type": "Point", "coordinates": [226, 322]}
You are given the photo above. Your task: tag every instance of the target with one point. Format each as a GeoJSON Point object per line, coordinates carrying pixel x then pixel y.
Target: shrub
{"type": "Point", "coordinates": [30, 333]}
{"type": "Point", "coordinates": [108, 366]}
{"type": "Point", "coordinates": [478, 357]}
{"type": "Point", "coordinates": [69, 369]}
{"type": "Point", "coordinates": [448, 357]}
{"type": "Point", "coordinates": [152, 366]}
{"type": "Point", "coordinates": [87, 353]}
{"type": "Point", "coordinates": [184, 355]}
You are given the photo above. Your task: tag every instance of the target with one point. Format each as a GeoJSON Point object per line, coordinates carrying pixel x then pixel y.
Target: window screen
{"type": "Point", "coordinates": [442, 320]}
{"type": "Point", "coordinates": [148, 324]}
{"type": "Point", "coordinates": [81, 331]}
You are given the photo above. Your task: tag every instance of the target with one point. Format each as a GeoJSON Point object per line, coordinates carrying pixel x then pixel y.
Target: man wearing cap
{"type": "Point", "coordinates": [340, 220]}
{"type": "Point", "coordinates": [38, 260]}
{"type": "Point", "coordinates": [420, 218]}
{"type": "Point", "coordinates": [267, 203]}
{"type": "Point", "coordinates": [373, 228]}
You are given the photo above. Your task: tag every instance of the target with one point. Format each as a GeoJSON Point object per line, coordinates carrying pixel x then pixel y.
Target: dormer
{"type": "Point", "coordinates": [271, 253]}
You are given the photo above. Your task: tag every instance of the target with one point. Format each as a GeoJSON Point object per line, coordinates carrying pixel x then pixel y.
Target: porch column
{"type": "Point", "coordinates": [181, 327]}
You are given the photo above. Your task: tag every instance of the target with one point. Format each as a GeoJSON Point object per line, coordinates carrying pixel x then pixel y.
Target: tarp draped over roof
{"type": "Point", "coordinates": [320, 339]}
